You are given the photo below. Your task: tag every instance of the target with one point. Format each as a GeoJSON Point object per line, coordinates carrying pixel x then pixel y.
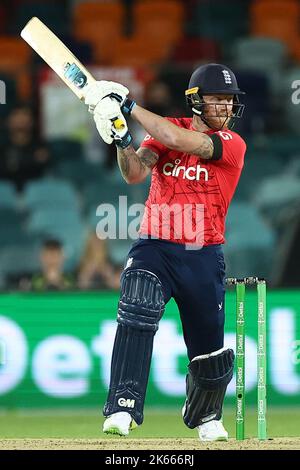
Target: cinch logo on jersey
{"type": "Point", "coordinates": [126, 402]}
{"type": "Point", "coordinates": [190, 173]}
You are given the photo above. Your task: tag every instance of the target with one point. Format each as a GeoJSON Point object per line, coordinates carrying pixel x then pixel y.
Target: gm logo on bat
{"type": "Point", "coordinates": [75, 75]}
{"type": "Point", "coordinates": [126, 402]}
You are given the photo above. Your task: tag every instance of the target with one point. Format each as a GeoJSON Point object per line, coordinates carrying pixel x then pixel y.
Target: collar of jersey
{"type": "Point", "coordinates": [191, 128]}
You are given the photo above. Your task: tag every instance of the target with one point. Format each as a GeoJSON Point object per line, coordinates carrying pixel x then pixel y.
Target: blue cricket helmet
{"type": "Point", "coordinates": [213, 79]}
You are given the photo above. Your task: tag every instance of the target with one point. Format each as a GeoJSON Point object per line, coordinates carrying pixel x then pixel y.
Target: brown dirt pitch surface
{"type": "Point", "coordinates": [120, 444]}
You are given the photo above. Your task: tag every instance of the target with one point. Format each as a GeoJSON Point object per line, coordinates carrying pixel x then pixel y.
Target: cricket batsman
{"type": "Point", "coordinates": [195, 164]}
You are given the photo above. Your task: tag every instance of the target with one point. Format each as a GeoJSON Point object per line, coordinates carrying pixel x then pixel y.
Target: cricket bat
{"type": "Point", "coordinates": [53, 51]}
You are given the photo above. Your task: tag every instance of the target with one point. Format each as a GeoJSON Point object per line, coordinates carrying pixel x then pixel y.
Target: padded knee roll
{"type": "Point", "coordinates": [206, 384]}
{"type": "Point", "coordinates": [140, 309]}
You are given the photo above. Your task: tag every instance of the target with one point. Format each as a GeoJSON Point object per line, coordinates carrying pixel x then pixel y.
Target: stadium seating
{"type": "Point", "coordinates": [101, 34]}
{"type": "Point", "coordinates": [102, 192]}
{"type": "Point", "coordinates": [257, 101]}
{"type": "Point", "coordinates": [50, 192]}
{"type": "Point", "coordinates": [98, 10]}
{"type": "Point", "coordinates": [278, 28]}
{"type": "Point", "coordinates": [295, 50]}
{"type": "Point", "coordinates": [45, 220]}
{"type": "Point", "coordinates": [277, 193]}
{"type": "Point", "coordinates": [259, 164]}
{"type": "Point", "coordinates": [78, 172]}
{"type": "Point", "coordinates": [66, 149]}
{"type": "Point", "coordinates": [81, 49]}
{"type": "Point", "coordinates": [51, 13]}
{"type": "Point", "coordinates": [172, 8]}
{"type": "Point", "coordinates": [250, 242]}
{"type": "Point", "coordinates": [260, 8]}
{"type": "Point", "coordinates": [193, 49]}
{"type": "Point", "coordinates": [119, 238]}
{"type": "Point", "coordinates": [277, 18]}
{"type": "Point", "coordinates": [216, 20]}
{"type": "Point", "coordinates": [261, 54]}
{"type": "Point", "coordinates": [266, 51]}
{"type": "Point", "coordinates": [293, 167]}
{"type": "Point", "coordinates": [137, 51]}
{"type": "Point", "coordinates": [106, 190]}
{"type": "Point", "coordinates": [21, 258]}
{"type": "Point", "coordinates": [18, 251]}
{"type": "Point", "coordinates": [11, 97]}
{"type": "Point", "coordinates": [284, 146]}
{"type": "Point", "coordinates": [62, 224]}
{"type": "Point", "coordinates": [8, 196]}
{"type": "Point", "coordinates": [101, 24]}
{"type": "Point", "coordinates": [11, 217]}
{"type": "Point", "coordinates": [290, 95]}
{"type": "Point", "coordinates": [215, 32]}
{"type": "Point", "coordinates": [159, 21]}
{"type": "Point", "coordinates": [15, 58]}
{"type": "Point", "coordinates": [117, 250]}
{"type": "Point", "coordinates": [3, 19]}
{"type": "Point", "coordinates": [11, 232]}
{"type": "Point", "coordinates": [159, 1]}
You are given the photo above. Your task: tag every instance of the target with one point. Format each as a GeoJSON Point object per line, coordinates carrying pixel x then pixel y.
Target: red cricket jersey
{"type": "Point", "coordinates": [189, 196]}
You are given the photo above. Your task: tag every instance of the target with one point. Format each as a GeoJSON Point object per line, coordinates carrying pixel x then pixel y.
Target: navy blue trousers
{"type": "Point", "coordinates": [196, 281]}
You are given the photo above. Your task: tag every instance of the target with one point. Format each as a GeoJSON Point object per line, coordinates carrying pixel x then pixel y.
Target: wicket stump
{"type": "Point", "coordinates": [240, 285]}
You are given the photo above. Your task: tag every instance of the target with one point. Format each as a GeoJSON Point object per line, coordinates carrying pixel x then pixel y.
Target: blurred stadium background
{"type": "Point", "coordinates": [55, 171]}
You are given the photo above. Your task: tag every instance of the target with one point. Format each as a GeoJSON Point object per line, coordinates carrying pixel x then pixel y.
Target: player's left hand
{"type": "Point", "coordinates": [100, 89]}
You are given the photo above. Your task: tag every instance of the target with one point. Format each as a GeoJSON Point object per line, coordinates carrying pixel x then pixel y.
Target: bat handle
{"type": "Point", "coordinates": [118, 124]}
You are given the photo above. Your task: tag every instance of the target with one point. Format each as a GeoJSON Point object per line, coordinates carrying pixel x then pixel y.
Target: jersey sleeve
{"type": "Point", "coordinates": [234, 149]}
{"type": "Point", "coordinates": [154, 145]}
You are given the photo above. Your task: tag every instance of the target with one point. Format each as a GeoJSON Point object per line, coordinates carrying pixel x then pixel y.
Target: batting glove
{"type": "Point", "coordinates": [101, 89]}
{"type": "Point", "coordinates": [111, 123]}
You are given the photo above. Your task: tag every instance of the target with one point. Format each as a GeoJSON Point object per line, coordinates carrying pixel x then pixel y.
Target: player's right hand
{"type": "Point", "coordinates": [105, 113]}
{"type": "Point", "coordinates": [96, 91]}
{"type": "Point", "coordinates": [111, 124]}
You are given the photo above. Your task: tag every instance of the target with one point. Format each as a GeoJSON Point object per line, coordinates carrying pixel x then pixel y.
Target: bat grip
{"type": "Point", "coordinates": [118, 124]}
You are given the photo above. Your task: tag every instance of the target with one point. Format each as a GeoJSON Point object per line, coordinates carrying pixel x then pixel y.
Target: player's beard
{"type": "Point", "coordinates": [218, 123]}
{"type": "Point", "coordinates": [217, 120]}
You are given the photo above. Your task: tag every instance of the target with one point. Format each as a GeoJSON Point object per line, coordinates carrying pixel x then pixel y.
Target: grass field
{"type": "Point", "coordinates": [82, 429]}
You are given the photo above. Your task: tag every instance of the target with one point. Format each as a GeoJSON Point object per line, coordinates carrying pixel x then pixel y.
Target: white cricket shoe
{"type": "Point", "coordinates": [212, 431]}
{"type": "Point", "coordinates": [119, 423]}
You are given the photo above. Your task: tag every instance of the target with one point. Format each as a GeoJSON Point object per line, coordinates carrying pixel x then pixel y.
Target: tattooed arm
{"type": "Point", "coordinates": [135, 166]}
{"type": "Point", "coordinates": [172, 136]}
